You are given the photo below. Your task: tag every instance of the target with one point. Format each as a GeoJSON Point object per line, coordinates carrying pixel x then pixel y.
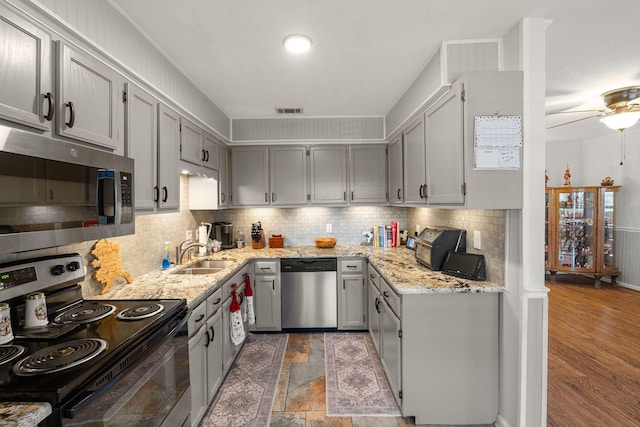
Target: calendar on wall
{"type": "Point", "coordinates": [497, 142]}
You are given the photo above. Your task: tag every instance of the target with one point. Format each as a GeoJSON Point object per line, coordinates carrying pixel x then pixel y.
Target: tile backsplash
{"type": "Point", "coordinates": [142, 252]}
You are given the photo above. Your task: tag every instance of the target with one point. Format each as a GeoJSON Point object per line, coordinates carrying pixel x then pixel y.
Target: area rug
{"type": "Point", "coordinates": [356, 383]}
{"type": "Point", "coordinates": [246, 395]}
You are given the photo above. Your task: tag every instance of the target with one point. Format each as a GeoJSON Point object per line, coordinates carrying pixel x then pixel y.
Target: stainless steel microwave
{"type": "Point", "coordinates": [54, 192]}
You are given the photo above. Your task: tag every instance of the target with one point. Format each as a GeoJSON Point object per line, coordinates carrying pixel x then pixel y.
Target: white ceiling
{"type": "Point", "coordinates": [366, 53]}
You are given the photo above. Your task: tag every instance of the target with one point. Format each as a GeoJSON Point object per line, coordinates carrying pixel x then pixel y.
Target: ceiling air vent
{"type": "Point", "coordinates": [289, 111]}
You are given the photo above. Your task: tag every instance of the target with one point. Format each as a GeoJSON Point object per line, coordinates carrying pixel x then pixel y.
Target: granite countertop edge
{"type": "Point", "coordinates": [23, 414]}
{"type": "Point", "coordinates": [396, 265]}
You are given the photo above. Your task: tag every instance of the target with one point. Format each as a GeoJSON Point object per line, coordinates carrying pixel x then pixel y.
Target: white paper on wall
{"type": "Point", "coordinates": [497, 142]}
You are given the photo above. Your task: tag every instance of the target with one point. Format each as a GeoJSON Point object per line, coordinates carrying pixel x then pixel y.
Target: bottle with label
{"type": "Point", "coordinates": [166, 261]}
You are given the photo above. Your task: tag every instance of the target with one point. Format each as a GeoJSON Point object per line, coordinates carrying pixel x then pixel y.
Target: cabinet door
{"type": "Point", "coordinates": [191, 140]}
{"type": "Point", "coordinates": [167, 191]}
{"type": "Point", "coordinates": [352, 305]}
{"type": "Point", "coordinates": [374, 315]}
{"type": "Point", "coordinates": [25, 62]}
{"type": "Point", "coordinates": [328, 175]}
{"type": "Point", "coordinates": [198, 374]}
{"type": "Point", "coordinates": [214, 354]}
{"type": "Point", "coordinates": [228, 347]}
{"type": "Point", "coordinates": [210, 151]}
{"type": "Point", "coordinates": [288, 167]}
{"type": "Point", "coordinates": [223, 176]}
{"type": "Point", "coordinates": [414, 162]}
{"type": "Point", "coordinates": [267, 302]}
{"type": "Point", "coordinates": [87, 98]}
{"type": "Point", "coordinates": [445, 145]}
{"type": "Point", "coordinates": [396, 193]}
{"type": "Point", "coordinates": [368, 173]}
{"type": "Point", "coordinates": [249, 176]}
{"type": "Point", "coordinates": [391, 349]}
{"type": "Point", "coordinates": [576, 229]}
{"type": "Point", "coordinates": [141, 133]}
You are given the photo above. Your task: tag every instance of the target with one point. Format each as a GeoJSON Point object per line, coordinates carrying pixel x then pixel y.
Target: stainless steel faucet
{"type": "Point", "coordinates": [180, 251]}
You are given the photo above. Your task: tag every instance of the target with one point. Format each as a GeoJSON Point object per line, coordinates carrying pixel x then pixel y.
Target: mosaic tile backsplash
{"type": "Point", "coordinates": [142, 252]}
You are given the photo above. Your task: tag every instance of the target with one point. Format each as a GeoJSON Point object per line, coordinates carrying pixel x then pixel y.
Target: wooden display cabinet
{"type": "Point", "coordinates": [579, 231]}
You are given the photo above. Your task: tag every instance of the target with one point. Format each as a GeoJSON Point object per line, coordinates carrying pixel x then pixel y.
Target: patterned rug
{"type": "Point", "coordinates": [246, 395]}
{"type": "Point", "coordinates": [356, 384]}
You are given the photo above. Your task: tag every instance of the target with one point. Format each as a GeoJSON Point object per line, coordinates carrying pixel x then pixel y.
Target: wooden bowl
{"type": "Point", "coordinates": [325, 242]}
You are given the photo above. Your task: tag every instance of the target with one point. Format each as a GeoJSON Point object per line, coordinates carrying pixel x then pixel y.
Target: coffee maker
{"type": "Point", "coordinates": [223, 232]}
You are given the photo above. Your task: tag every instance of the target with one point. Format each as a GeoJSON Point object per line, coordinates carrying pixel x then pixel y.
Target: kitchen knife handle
{"type": "Point", "coordinates": [51, 106]}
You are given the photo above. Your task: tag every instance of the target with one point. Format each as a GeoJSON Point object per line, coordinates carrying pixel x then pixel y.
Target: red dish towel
{"type": "Point", "coordinates": [237, 328]}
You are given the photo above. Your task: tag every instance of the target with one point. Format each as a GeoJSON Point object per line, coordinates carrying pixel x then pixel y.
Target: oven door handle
{"type": "Point", "coordinates": [90, 394]}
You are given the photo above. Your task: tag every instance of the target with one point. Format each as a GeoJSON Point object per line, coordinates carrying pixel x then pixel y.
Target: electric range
{"type": "Point", "coordinates": [87, 345]}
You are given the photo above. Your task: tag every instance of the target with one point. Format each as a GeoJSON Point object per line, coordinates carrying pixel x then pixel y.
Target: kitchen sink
{"type": "Point", "coordinates": [213, 263]}
{"type": "Point", "coordinates": [198, 270]}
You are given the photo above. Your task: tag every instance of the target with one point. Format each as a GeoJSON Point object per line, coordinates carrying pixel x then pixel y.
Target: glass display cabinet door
{"type": "Point", "coordinates": [607, 255]}
{"type": "Point", "coordinates": [548, 228]}
{"type": "Point", "coordinates": [575, 235]}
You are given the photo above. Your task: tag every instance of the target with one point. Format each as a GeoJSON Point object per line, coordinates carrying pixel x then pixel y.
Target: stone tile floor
{"type": "Point", "coordinates": [300, 398]}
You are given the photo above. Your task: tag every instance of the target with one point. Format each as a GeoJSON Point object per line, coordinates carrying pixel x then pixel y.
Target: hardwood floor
{"type": "Point", "coordinates": [594, 354]}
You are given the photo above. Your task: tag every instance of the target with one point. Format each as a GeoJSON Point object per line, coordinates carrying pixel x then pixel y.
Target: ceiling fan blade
{"type": "Point", "coordinates": [575, 121]}
{"type": "Point", "coordinates": [576, 111]}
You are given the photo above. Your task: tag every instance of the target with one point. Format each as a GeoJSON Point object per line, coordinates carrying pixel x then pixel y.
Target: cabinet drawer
{"type": "Point", "coordinates": [390, 297]}
{"type": "Point", "coordinates": [352, 266]}
{"type": "Point", "coordinates": [214, 301]}
{"type": "Point", "coordinates": [264, 267]}
{"type": "Point", "coordinates": [373, 276]}
{"type": "Point", "coordinates": [197, 318]}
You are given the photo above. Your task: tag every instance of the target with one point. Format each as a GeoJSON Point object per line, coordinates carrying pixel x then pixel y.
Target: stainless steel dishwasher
{"type": "Point", "coordinates": [309, 292]}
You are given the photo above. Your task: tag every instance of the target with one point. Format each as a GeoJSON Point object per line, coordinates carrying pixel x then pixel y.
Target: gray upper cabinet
{"type": "Point", "coordinates": [87, 98]}
{"type": "Point", "coordinates": [198, 146]}
{"type": "Point", "coordinates": [210, 151]}
{"type": "Point", "coordinates": [167, 191]}
{"type": "Point", "coordinates": [396, 187]}
{"type": "Point", "coordinates": [223, 176]}
{"type": "Point", "coordinates": [445, 143]}
{"type": "Point", "coordinates": [368, 174]}
{"type": "Point", "coordinates": [26, 96]}
{"type": "Point", "coordinates": [414, 162]}
{"type": "Point", "coordinates": [328, 174]}
{"type": "Point", "coordinates": [249, 176]}
{"type": "Point", "coordinates": [288, 171]}
{"type": "Point", "coordinates": [191, 138]}
{"type": "Point", "coordinates": [141, 144]}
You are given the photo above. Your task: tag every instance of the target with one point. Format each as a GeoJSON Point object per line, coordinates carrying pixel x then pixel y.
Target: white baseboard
{"type": "Point", "coordinates": [628, 286]}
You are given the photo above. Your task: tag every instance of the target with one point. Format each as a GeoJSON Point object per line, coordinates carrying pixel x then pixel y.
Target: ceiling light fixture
{"type": "Point", "coordinates": [626, 110]}
{"type": "Point", "coordinates": [297, 43]}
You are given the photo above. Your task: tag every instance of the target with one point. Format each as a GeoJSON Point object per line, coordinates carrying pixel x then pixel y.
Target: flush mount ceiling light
{"type": "Point", "coordinates": [625, 105]}
{"type": "Point", "coordinates": [297, 43]}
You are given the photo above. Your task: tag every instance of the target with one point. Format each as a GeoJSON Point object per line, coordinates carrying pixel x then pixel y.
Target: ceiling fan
{"type": "Point", "coordinates": [622, 109]}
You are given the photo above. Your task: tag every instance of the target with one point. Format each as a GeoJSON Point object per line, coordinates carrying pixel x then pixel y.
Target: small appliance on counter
{"type": "Point", "coordinates": [465, 265]}
{"type": "Point", "coordinates": [276, 241]}
{"type": "Point", "coordinates": [223, 232]}
{"type": "Point", "coordinates": [433, 243]}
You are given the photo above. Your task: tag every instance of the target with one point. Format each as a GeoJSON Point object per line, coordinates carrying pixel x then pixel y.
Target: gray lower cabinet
{"type": "Point", "coordinates": [198, 341]}
{"type": "Point", "coordinates": [205, 354]}
{"type": "Point", "coordinates": [352, 294]}
{"type": "Point", "coordinates": [267, 296]}
{"type": "Point", "coordinates": [391, 354]}
{"type": "Point", "coordinates": [373, 306]}
{"type": "Point", "coordinates": [229, 349]}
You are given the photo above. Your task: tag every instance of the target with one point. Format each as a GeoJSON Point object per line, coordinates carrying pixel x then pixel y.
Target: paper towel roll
{"type": "Point", "coordinates": [203, 237]}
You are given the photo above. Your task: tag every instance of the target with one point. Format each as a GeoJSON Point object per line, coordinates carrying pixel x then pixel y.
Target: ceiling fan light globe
{"type": "Point", "coordinates": [621, 120]}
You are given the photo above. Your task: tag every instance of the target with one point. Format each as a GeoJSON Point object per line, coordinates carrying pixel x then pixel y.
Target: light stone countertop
{"type": "Point", "coordinates": [23, 414]}
{"type": "Point", "coordinates": [396, 265]}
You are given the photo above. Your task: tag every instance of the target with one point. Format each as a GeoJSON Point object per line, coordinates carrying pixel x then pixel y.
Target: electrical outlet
{"type": "Point", "coordinates": [189, 235]}
{"type": "Point", "coordinates": [477, 240]}
{"type": "Point", "coordinates": [329, 228]}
